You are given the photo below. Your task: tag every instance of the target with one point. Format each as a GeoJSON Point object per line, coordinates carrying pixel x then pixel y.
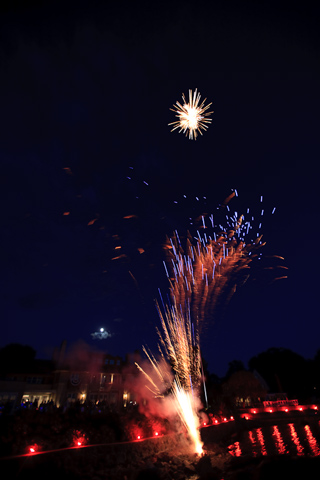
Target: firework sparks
{"type": "Point", "coordinates": [200, 274]}
{"type": "Point", "coordinates": [203, 271]}
{"type": "Point", "coordinates": [180, 343]}
{"type": "Point", "coordinates": [209, 268]}
{"type": "Point", "coordinates": [162, 380]}
{"type": "Point", "coordinates": [185, 400]}
{"type": "Point", "coordinates": [192, 116]}
{"type": "Point", "coordinates": [181, 348]}
{"type": "Point", "coordinates": [186, 408]}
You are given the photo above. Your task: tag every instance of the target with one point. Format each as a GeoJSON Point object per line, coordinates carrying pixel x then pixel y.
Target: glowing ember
{"type": "Point", "coordinates": [33, 449]}
{"type": "Point", "coordinates": [79, 438]}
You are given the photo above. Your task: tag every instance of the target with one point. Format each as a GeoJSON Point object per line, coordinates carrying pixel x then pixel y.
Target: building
{"type": "Point", "coordinates": [92, 377]}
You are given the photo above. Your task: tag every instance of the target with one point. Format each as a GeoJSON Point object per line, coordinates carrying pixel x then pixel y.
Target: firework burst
{"type": "Point", "coordinates": [210, 267]}
{"type": "Point", "coordinates": [200, 273]}
{"type": "Point", "coordinates": [192, 116]}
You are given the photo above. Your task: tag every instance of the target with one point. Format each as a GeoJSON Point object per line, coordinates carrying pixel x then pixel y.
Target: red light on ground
{"type": "Point", "coordinates": [231, 418]}
{"type": "Point", "coordinates": [204, 424]}
{"type": "Point", "coordinates": [270, 410]}
{"type": "Point", "coordinates": [286, 410]}
{"type": "Point", "coordinates": [138, 437]}
{"type": "Point", "coordinates": [300, 409]}
{"type": "Point", "coordinates": [315, 408]}
{"type": "Point", "coordinates": [254, 411]}
{"type": "Point", "coordinates": [156, 434]}
{"type": "Point", "coordinates": [246, 418]}
{"type": "Point", "coordinates": [216, 421]}
{"type": "Point", "coordinates": [224, 419]}
{"type": "Point", "coordinates": [79, 444]}
{"type": "Point", "coordinates": [33, 449]}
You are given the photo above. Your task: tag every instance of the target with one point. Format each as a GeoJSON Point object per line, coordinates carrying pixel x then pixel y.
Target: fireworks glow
{"type": "Point", "coordinates": [192, 116]}
{"type": "Point", "coordinates": [208, 267]}
{"type": "Point", "coordinates": [187, 410]}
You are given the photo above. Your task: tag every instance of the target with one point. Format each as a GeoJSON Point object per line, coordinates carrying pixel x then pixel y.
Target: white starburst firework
{"type": "Point", "coordinates": [193, 116]}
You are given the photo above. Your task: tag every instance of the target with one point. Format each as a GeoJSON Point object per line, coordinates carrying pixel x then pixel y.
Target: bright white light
{"type": "Point", "coordinates": [102, 334]}
{"type": "Point", "coordinates": [192, 116]}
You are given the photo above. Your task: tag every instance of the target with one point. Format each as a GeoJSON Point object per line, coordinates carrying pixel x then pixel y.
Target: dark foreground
{"type": "Point", "coordinates": [166, 458]}
{"type": "Point", "coordinates": [167, 467]}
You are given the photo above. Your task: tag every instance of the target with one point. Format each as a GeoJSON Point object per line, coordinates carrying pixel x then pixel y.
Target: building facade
{"type": "Point", "coordinates": [98, 378]}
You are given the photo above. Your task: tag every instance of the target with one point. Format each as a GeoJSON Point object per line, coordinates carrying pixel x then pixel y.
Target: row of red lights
{"type": "Point", "coordinates": [35, 449]}
{"type": "Point", "coordinates": [204, 424]}
{"type": "Point", "coordinates": [78, 443]}
{"type": "Point", "coordinates": [270, 410]}
{"type": "Point", "coordinates": [215, 422]}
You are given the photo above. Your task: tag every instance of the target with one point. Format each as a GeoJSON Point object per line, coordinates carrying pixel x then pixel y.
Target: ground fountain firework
{"type": "Point", "coordinates": [200, 272]}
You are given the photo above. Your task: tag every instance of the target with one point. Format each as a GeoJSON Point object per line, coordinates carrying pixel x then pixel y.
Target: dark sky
{"type": "Point", "coordinates": [88, 87]}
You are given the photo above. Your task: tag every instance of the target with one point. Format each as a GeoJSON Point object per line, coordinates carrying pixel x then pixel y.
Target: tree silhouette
{"type": "Point", "coordinates": [16, 358]}
{"type": "Point", "coordinates": [243, 386]}
{"type": "Point", "coordinates": [284, 371]}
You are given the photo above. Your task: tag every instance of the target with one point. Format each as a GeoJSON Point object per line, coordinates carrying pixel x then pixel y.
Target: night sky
{"type": "Point", "coordinates": [85, 97]}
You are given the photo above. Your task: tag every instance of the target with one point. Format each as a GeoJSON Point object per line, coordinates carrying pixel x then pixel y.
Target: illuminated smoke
{"type": "Point", "coordinates": [177, 347]}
